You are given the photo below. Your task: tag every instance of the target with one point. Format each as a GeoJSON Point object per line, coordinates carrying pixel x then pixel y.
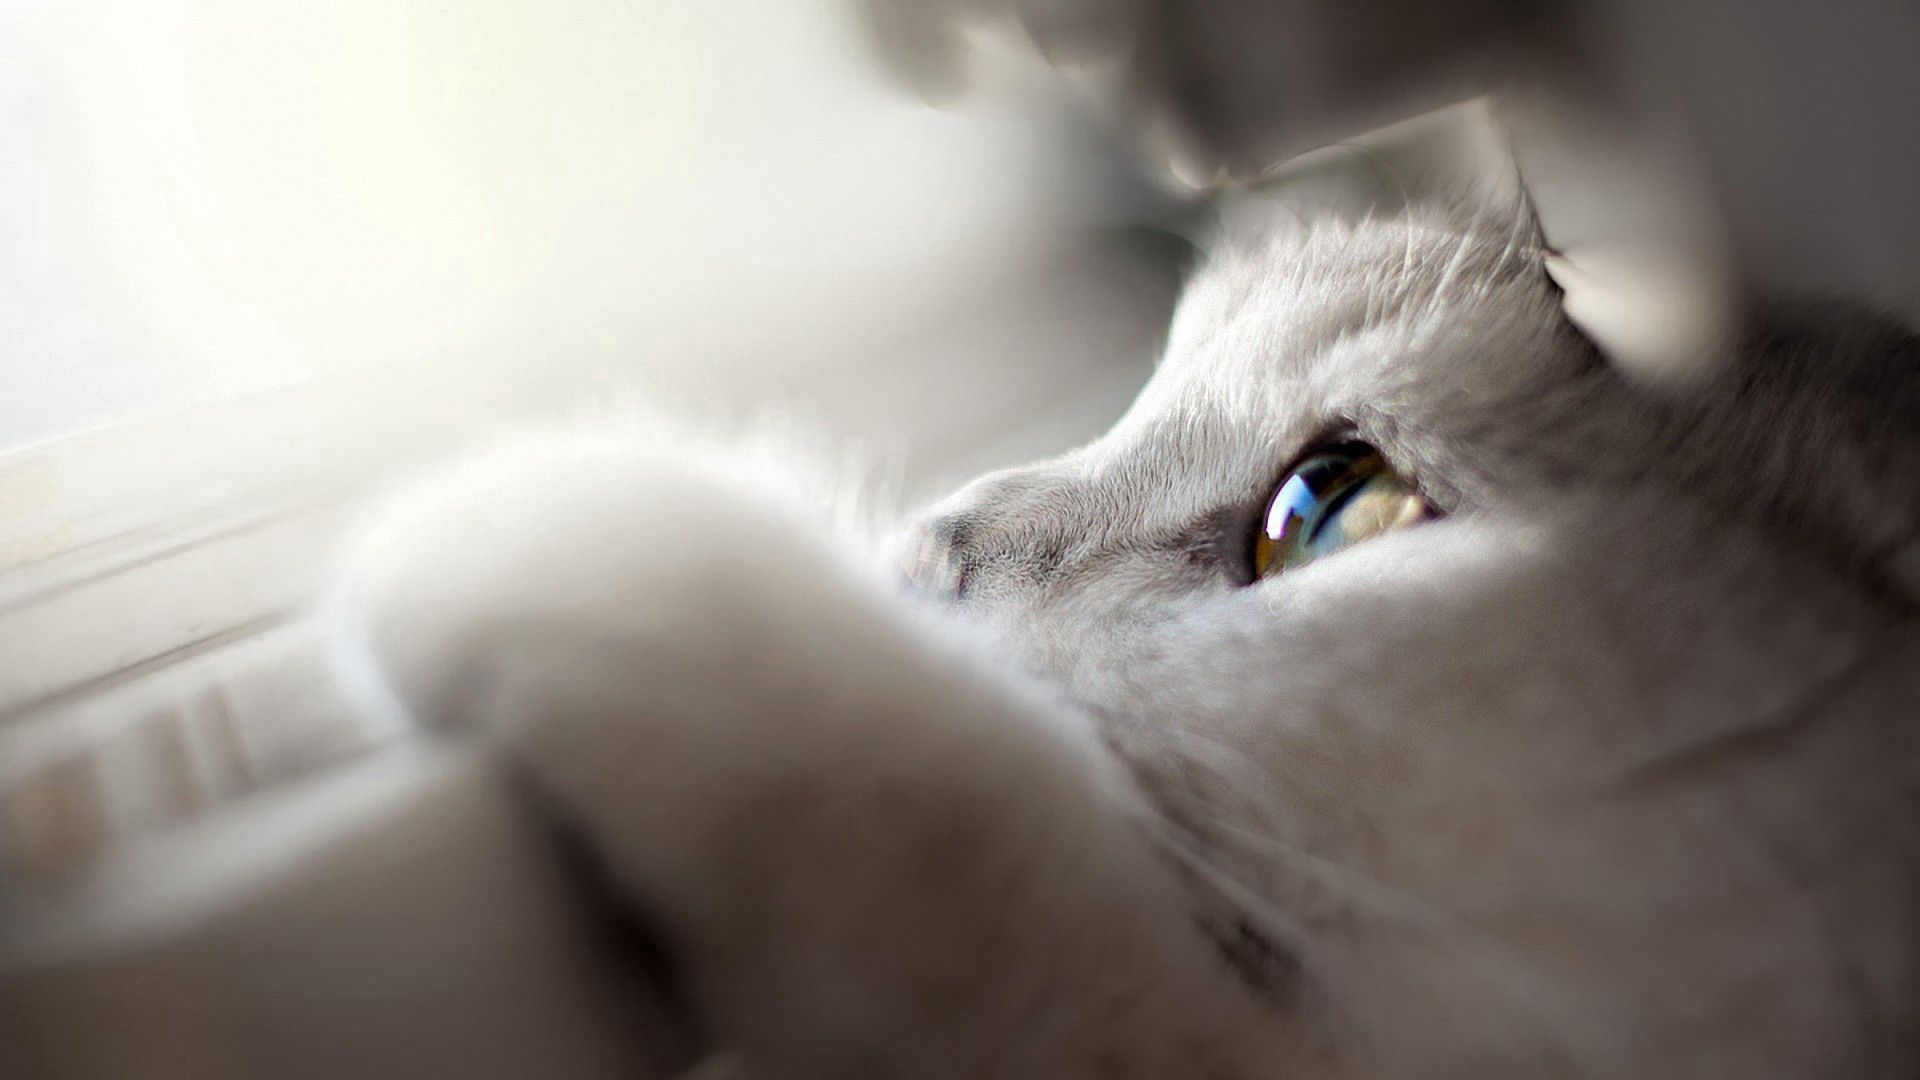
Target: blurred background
{"type": "Point", "coordinates": [257, 256]}
{"type": "Point", "coordinates": [211, 198]}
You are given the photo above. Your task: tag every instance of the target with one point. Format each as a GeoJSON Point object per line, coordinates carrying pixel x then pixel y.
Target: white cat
{"type": "Point", "coordinates": [1396, 691]}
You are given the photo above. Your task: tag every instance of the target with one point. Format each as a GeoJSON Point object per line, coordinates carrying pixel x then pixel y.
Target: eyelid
{"type": "Point", "coordinates": [1330, 434]}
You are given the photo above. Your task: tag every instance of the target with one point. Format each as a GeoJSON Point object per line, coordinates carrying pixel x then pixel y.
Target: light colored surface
{"type": "Point", "coordinates": [156, 659]}
{"type": "Point", "coordinates": [400, 918]}
{"type": "Point", "coordinates": [203, 198]}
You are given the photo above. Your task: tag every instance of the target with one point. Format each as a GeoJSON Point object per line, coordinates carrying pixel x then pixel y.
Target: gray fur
{"type": "Point", "coordinates": [1610, 772]}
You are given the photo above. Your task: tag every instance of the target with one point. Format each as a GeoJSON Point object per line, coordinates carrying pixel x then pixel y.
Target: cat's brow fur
{"type": "Point", "coordinates": [1609, 772]}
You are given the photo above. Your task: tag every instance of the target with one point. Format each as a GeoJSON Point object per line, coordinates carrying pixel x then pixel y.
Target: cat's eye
{"type": "Point", "coordinates": [1337, 496]}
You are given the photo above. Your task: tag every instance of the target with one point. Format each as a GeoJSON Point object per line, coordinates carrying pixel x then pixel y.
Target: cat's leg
{"type": "Point", "coordinates": [869, 853]}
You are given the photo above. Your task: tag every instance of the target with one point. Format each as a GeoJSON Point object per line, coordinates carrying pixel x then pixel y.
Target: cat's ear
{"type": "Point", "coordinates": [1661, 305]}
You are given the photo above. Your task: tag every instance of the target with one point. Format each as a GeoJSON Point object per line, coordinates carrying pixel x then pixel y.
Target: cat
{"type": "Point", "coordinates": [1593, 754]}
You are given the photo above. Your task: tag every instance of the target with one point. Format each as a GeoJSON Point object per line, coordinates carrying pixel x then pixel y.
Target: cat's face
{"type": "Point", "coordinates": [1595, 757]}
{"type": "Point", "coordinates": [1606, 767]}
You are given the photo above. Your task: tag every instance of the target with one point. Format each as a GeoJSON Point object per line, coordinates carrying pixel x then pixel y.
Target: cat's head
{"type": "Point", "coordinates": [1582, 739]}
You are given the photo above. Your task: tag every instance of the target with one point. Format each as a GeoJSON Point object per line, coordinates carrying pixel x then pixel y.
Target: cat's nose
{"type": "Point", "coordinates": [994, 538]}
{"type": "Point", "coordinates": [929, 556]}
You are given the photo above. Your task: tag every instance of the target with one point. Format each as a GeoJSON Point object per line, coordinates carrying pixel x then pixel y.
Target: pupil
{"type": "Point", "coordinates": [1341, 497]}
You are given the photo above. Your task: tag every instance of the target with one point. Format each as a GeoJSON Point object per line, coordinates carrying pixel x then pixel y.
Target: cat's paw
{"type": "Point", "coordinates": [471, 580]}
{"type": "Point", "coordinates": [866, 848]}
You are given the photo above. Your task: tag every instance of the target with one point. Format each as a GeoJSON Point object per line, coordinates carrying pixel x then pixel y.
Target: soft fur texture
{"type": "Point", "coordinates": [1609, 772]}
